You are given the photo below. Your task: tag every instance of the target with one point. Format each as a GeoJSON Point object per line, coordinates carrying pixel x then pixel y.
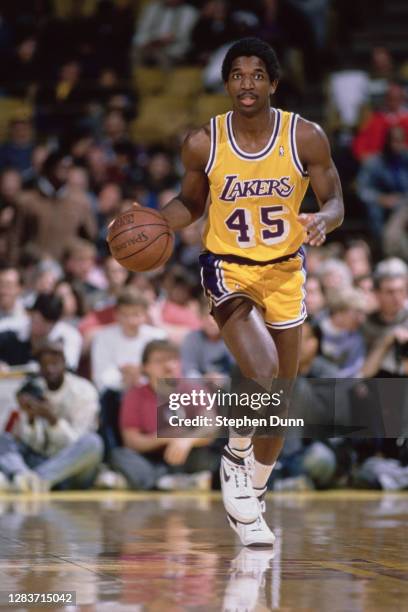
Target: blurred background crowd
{"type": "Point", "coordinates": [95, 100]}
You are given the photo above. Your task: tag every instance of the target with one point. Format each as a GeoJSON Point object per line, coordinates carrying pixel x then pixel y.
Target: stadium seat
{"type": "Point", "coordinates": [62, 8]}
{"type": "Point", "coordinates": [160, 118]}
{"type": "Point", "coordinates": [187, 81]}
{"type": "Point", "coordinates": [209, 105]}
{"type": "Point", "coordinates": [148, 81]}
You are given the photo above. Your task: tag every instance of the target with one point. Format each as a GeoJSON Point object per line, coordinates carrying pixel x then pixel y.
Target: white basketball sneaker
{"type": "Point", "coordinates": [237, 492]}
{"type": "Point", "coordinates": [256, 533]}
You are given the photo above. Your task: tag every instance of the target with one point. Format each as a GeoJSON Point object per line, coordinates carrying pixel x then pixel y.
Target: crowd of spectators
{"type": "Point", "coordinates": [94, 339]}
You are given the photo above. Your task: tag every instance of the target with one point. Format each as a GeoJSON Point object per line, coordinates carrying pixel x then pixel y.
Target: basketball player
{"type": "Point", "coordinates": [255, 164]}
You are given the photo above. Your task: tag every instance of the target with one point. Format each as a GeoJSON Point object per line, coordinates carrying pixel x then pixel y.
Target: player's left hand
{"type": "Point", "coordinates": [315, 228]}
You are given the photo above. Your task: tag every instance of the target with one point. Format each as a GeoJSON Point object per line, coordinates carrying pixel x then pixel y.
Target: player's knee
{"type": "Point", "coordinates": [261, 367]}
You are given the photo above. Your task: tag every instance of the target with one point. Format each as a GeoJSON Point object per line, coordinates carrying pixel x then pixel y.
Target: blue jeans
{"type": "Point", "coordinates": [75, 466]}
{"type": "Point", "coordinates": [143, 470]}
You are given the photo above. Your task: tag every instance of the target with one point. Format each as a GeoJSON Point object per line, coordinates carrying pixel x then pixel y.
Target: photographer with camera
{"type": "Point", "coordinates": [55, 441]}
{"type": "Point", "coordinates": [386, 330]}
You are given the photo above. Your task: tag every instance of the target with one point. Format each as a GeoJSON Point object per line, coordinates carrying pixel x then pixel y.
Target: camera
{"type": "Point", "coordinates": [32, 387]}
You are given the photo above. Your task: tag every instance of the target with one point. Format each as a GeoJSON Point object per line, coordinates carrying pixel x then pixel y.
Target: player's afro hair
{"type": "Point", "coordinates": [247, 47]}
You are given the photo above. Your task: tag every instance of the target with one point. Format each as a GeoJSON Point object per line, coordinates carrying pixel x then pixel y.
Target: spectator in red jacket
{"type": "Point", "coordinates": [370, 139]}
{"type": "Point", "coordinates": [146, 460]}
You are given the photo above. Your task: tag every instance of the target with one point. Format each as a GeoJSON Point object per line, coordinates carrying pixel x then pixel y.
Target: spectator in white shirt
{"type": "Point", "coordinates": [116, 357]}
{"type": "Point", "coordinates": [117, 349]}
{"type": "Point", "coordinates": [55, 434]}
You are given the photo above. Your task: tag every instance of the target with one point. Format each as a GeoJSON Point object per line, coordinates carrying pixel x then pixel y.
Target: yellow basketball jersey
{"type": "Point", "coordinates": [255, 197]}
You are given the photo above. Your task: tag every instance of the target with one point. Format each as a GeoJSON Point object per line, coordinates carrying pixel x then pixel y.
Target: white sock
{"type": "Point", "coordinates": [261, 476]}
{"type": "Point", "coordinates": [240, 447]}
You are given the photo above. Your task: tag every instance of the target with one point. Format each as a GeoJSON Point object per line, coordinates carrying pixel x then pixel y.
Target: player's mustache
{"type": "Point", "coordinates": [247, 94]}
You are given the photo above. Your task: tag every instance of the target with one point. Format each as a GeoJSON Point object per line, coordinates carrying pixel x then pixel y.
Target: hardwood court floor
{"type": "Point", "coordinates": [345, 551]}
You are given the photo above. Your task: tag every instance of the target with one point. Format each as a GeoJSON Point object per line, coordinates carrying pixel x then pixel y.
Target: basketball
{"type": "Point", "coordinates": [140, 239]}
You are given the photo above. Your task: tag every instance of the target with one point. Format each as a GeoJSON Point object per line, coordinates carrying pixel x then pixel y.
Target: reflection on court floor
{"type": "Point", "coordinates": [334, 551]}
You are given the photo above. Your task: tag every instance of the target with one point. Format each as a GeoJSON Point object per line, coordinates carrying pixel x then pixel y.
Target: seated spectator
{"type": "Point", "coordinates": [315, 299]}
{"type": "Point", "coordinates": [203, 352]}
{"type": "Point", "coordinates": [382, 182]}
{"type": "Point", "coordinates": [334, 274]}
{"type": "Point", "coordinates": [358, 258]}
{"type": "Point", "coordinates": [73, 308]}
{"type": "Point", "coordinates": [77, 185]}
{"type": "Point", "coordinates": [17, 151]}
{"type": "Point", "coordinates": [117, 349]}
{"type": "Point", "coordinates": [312, 364]}
{"type": "Point", "coordinates": [177, 313]}
{"type": "Point", "coordinates": [113, 93]}
{"type": "Point", "coordinates": [365, 283]}
{"type": "Point", "coordinates": [371, 137]}
{"type": "Point", "coordinates": [146, 460]}
{"type": "Point", "coordinates": [116, 277]}
{"type": "Point", "coordinates": [62, 102]}
{"type": "Point", "coordinates": [12, 219]}
{"type": "Point", "coordinates": [104, 312]}
{"type": "Point", "coordinates": [386, 330]}
{"type": "Point", "coordinates": [46, 273]}
{"type": "Point", "coordinates": [38, 157]}
{"type": "Point", "coordinates": [98, 163]}
{"type": "Point", "coordinates": [56, 444]}
{"type": "Point", "coordinates": [189, 247]}
{"type": "Point", "coordinates": [163, 32]}
{"type": "Point", "coordinates": [115, 131]}
{"type": "Point", "coordinates": [160, 175]}
{"type": "Point", "coordinates": [55, 220]}
{"type": "Point", "coordinates": [315, 257]}
{"type": "Point", "coordinates": [78, 143]}
{"type": "Point", "coordinates": [19, 342]}
{"type": "Point", "coordinates": [79, 259]}
{"type": "Point", "coordinates": [342, 342]}
{"type": "Point", "coordinates": [11, 305]}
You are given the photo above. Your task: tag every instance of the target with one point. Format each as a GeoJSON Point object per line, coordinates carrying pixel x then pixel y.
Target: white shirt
{"type": "Point", "coordinates": [67, 334]}
{"type": "Point", "coordinates": [111, 350]}
{"type": "Point", "coordinates": [76, 406]}
{"type": "Point", "coordinates": [348, 91]}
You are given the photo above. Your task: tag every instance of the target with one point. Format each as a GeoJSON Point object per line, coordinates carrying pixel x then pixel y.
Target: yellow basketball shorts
{"type": "Point", "coordinates": [276, 286]}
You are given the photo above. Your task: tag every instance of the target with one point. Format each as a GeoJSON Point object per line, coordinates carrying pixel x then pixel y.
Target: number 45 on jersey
{"type": "Point", "coordinates": [273, 227]}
